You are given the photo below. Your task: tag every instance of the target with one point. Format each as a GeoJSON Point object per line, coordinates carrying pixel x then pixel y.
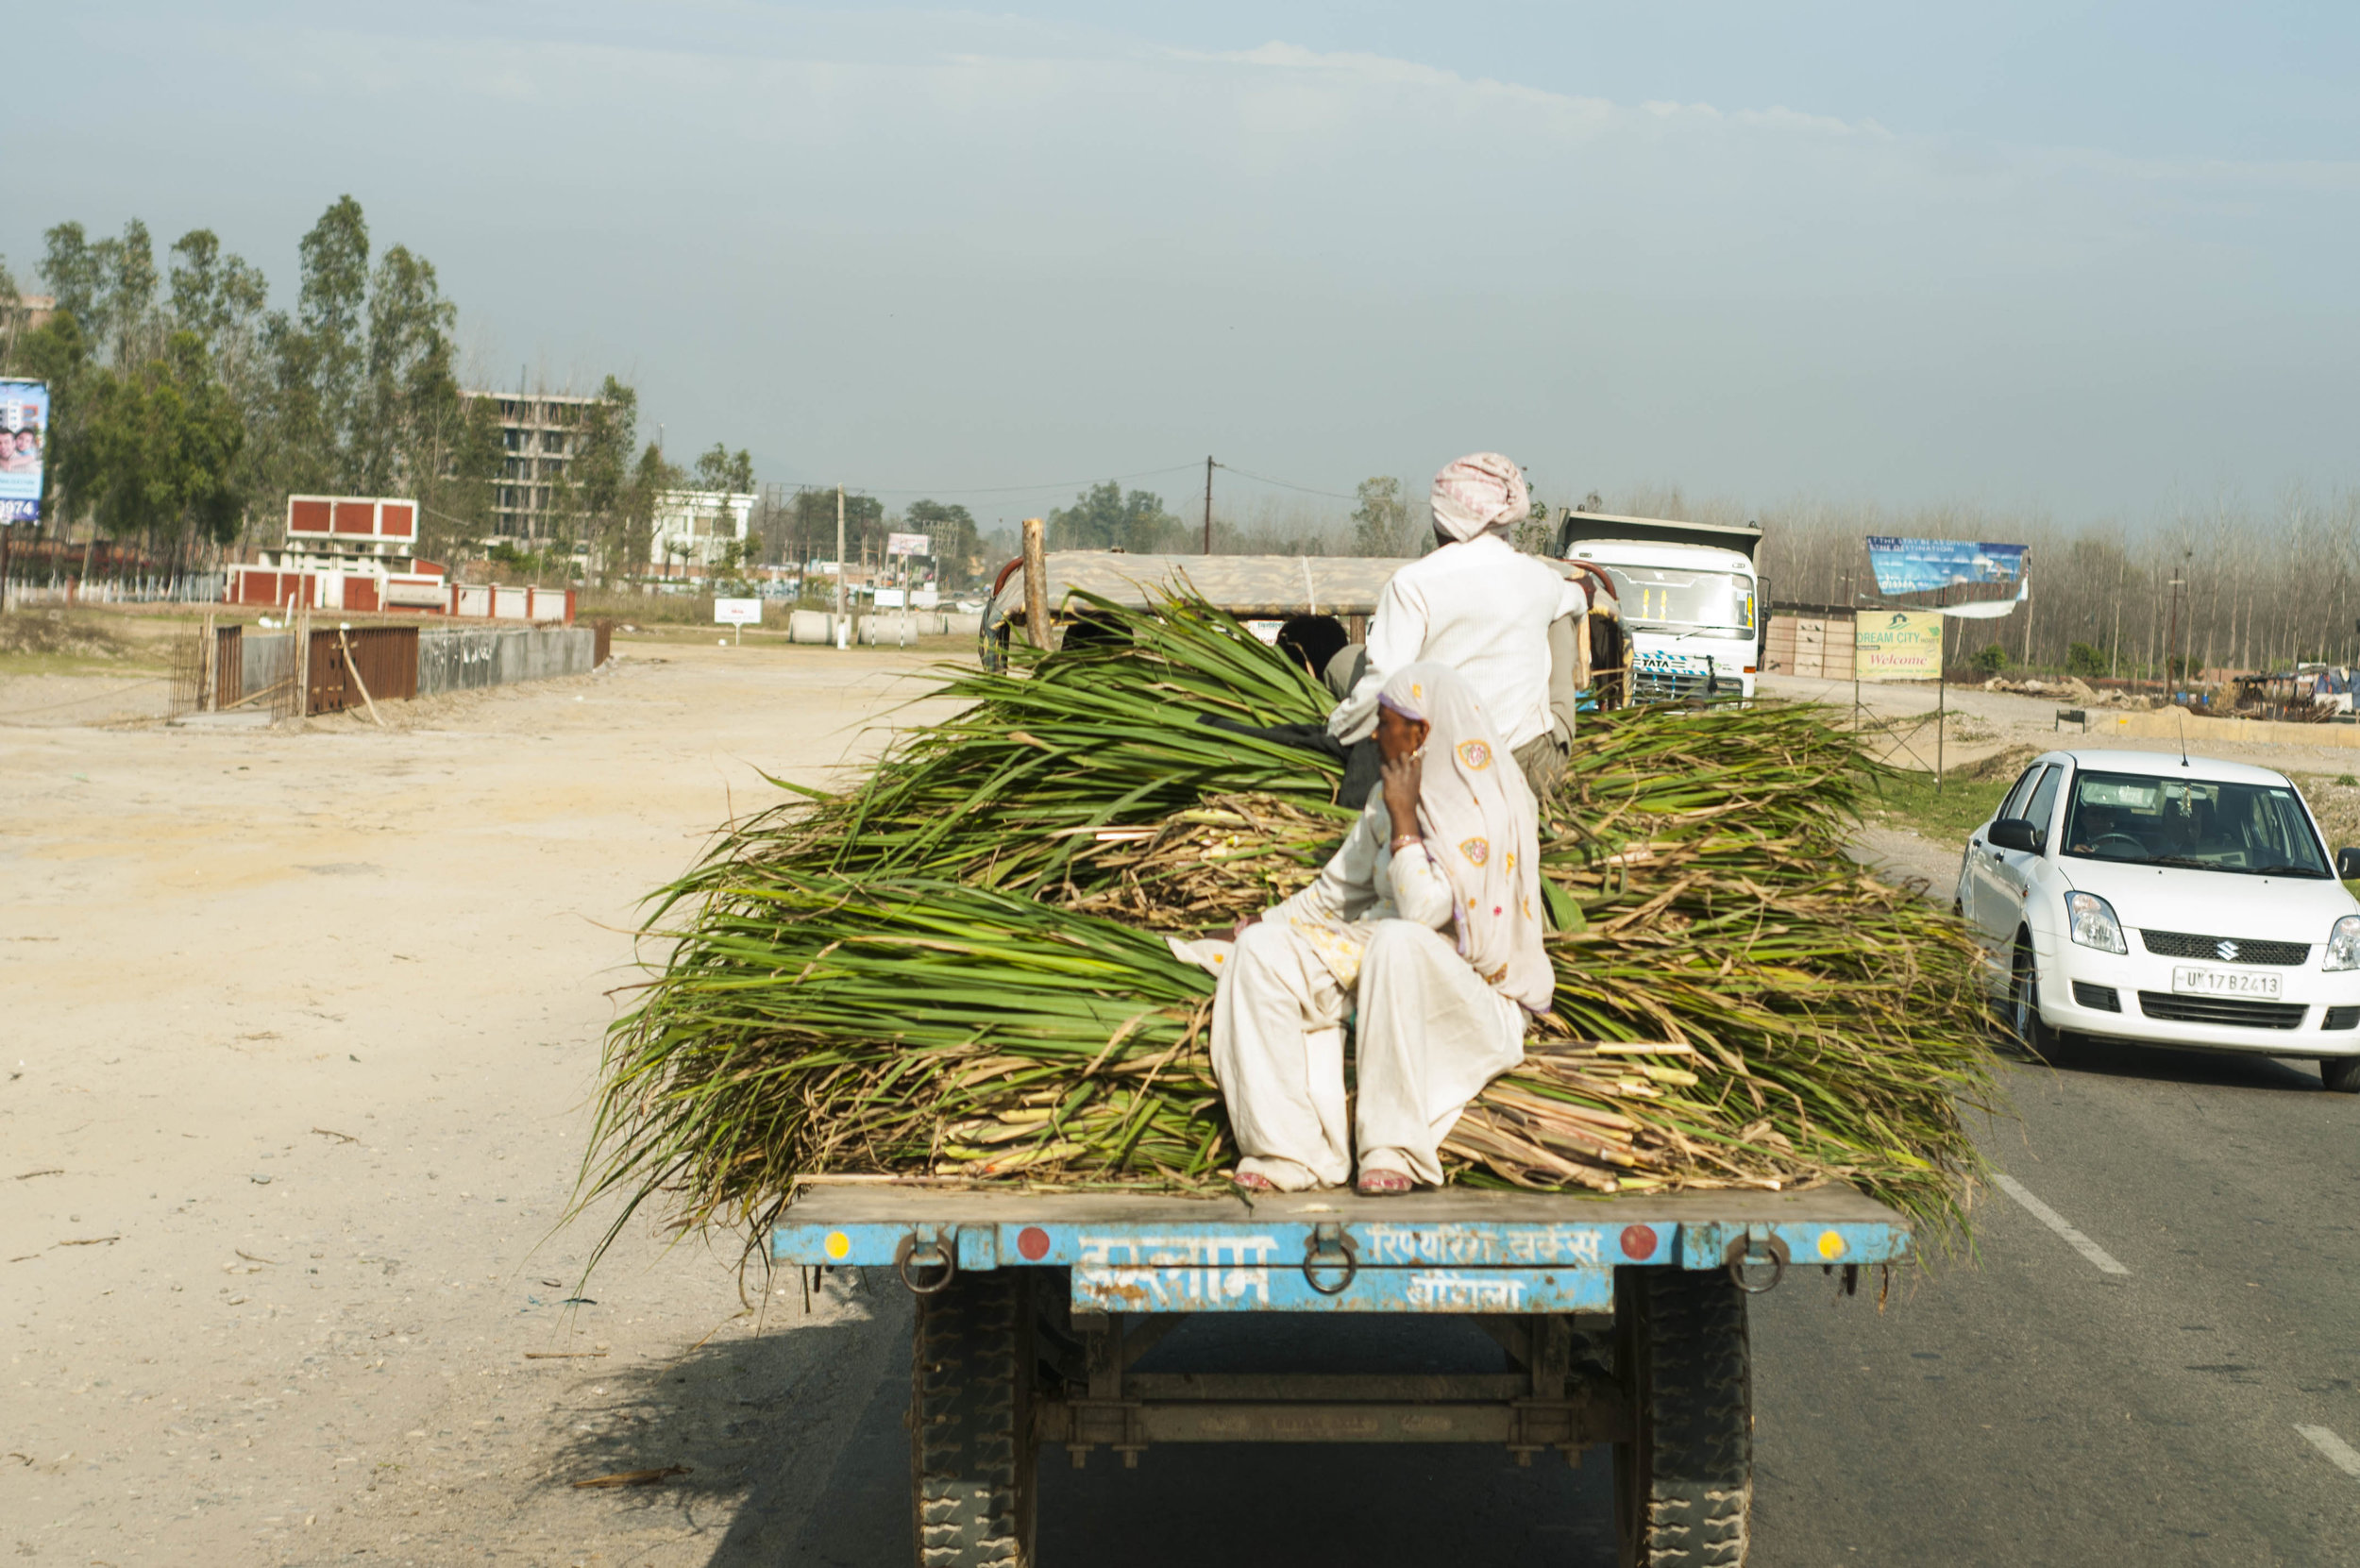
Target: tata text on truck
{"type": "Point", "coordinates": [1690, 598]}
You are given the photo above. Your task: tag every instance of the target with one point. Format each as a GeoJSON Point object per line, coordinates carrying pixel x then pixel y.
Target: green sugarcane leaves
{"type": "Point", "coordinates": [956, 967]}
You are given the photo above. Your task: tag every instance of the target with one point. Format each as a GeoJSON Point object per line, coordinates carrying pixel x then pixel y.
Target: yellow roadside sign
{"type": "Point", "coordinates": [1897, 645]}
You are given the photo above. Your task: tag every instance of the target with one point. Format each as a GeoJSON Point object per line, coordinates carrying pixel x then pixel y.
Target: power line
{"type": "Point", "coordinates": [1004, 489]}
{"type": "Point", "coordinates": [1284, 485]}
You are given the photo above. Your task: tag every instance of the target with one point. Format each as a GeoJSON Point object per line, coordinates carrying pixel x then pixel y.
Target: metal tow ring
{"type": "Point", "coordinates": [1329, 1247]}
{"type": "Point", "coordinates": [927, 1253]}
{"type": "Point", "coordinates": [1749, 1249]}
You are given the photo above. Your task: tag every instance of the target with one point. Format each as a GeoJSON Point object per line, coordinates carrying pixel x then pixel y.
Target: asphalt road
{"type": "Point", "coordinates": [2022, 1407]}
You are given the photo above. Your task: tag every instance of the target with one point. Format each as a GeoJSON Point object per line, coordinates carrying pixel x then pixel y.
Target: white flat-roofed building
{"type": "Point", "coordinates": [691, 526]}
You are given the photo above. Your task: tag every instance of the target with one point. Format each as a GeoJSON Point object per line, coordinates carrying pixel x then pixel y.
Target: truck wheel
{"type": "Point", "coordinates": [1684, 1484]}
{"type": "Point", "coordinates": [2341, 1074]}
{"type": "Point", "coordinates": [2024, 1021]}
{"type": "Point", "coordinates": [972, 1446]}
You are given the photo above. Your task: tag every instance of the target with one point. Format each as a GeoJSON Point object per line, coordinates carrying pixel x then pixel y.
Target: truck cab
{"type": "Point", "coordinates": [1690, 599]}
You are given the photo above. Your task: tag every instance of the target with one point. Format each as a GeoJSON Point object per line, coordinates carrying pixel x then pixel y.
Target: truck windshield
{"type": "Point", "coordinates": [1661, 597]}
{"type": "Point", "coordinates": [2255, 830]}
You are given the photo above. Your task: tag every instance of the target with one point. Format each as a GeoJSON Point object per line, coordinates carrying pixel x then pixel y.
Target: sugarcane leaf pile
{"type": "Point", "coordinates": [957, 969]}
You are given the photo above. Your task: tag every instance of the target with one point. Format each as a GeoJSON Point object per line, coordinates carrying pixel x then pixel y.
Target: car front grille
{"type": "Point", "coordinates": [2181, 944]}
{"type": "Point", "coordinates": [2103, 999]}
{"type": "Point", "coordinates": [2233, 1011]}
{"type": "Point", "coordinates": [1664, 686]}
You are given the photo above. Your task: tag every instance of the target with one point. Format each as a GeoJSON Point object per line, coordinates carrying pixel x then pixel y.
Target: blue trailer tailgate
{"type": "Point", "coordinates": [1455, 1249]}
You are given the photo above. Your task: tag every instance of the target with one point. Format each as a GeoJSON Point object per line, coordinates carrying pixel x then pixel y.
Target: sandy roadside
{"type": "Point", "coordinates": [299, 1034]}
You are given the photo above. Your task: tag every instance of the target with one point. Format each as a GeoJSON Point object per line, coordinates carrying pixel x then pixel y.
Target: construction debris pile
{"type": "Point", "coordinates": [957, 969]}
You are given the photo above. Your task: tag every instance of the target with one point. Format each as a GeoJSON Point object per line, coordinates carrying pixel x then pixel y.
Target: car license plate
{"type": "Point", "coordinates": [2188, 980]}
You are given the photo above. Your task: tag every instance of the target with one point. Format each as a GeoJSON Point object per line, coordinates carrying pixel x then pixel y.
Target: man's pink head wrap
{"type": "Point", "coordinates": [1479, 493]}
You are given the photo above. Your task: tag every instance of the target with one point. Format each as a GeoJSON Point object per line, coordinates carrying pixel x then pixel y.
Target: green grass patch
{"type": "Point", "coordinates": [1948, 813]}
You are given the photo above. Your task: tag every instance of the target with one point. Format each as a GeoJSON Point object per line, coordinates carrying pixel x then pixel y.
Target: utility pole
{"type": "Point", "coordinates": [1208, 505]}
{"type": "Point", "coordinates": [838, 627]}
{"type": "Point", "coordinates": [2171, 643]}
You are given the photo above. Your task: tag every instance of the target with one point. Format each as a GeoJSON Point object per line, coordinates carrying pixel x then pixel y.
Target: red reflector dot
{"type": "Point", "coordinates": [1637, 1242]}
{"type": "Point", "coordinates": [1031, 1243]}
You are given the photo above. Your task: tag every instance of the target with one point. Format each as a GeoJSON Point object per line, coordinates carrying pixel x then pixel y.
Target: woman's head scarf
{"type": "Point", "coordinates": [1482, 828]}
{"type": "Point", "coordinates": [1477, 494]}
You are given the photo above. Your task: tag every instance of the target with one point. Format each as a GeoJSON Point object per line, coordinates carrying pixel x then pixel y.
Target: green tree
{"type": "Point", "coordinates": [602, 474]}
{"type": "Point", "coordinates": [1381, 522]}
{"type": "Point", "coordinates": [814, 526]}
{"type": "Point", "coordinates": [952, 528]}
{"type": "Point", "coordinates": [413, 404]}
{"type": "Point", "coordinates": [650, 478]}
{"type": "Point", "coordinates": [731, 473]}
{"type": "Point", "coordinates": [322, 356]}
{"type": "Point", "coordinates": [1103, 517]}
{"type": "Point", "coordinates": [109, 287]}
{"type": "Point", "coordinates": [157, 455]}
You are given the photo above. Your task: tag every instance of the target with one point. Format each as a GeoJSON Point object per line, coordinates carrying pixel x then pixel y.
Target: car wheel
{"type": "Point", "coordinates": [2024, 1020]}
{"type": "Point", "coordinates": [2341, 1074]}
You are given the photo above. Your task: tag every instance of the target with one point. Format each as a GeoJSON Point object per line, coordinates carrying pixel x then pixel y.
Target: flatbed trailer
{"type": "Point", "coordinates": [1623, 1318]}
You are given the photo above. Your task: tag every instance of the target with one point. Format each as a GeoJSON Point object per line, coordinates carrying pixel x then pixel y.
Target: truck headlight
{"type": "Point", "coordinates": [2095, 926]}
{"type": "Point", "coordinates": [2343, 945]}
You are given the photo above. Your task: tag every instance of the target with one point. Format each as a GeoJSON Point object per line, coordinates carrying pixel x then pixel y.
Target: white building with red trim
{"type": "Point", "coordinates": [360, 553]}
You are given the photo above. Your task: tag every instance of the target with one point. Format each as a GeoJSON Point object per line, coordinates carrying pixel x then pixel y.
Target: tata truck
{"type": "Point", "coordinates": [1692, 602]}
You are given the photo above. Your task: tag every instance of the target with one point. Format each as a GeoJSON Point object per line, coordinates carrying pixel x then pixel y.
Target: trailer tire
{"type": "Point", "coordinates": [1684, 1484]}
{"type": "Point", "coordinates": [973, 1452]}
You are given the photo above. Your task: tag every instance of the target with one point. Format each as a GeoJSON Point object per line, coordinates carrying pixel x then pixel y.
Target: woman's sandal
{"type": "Point", "coordinates": [1381, 1184]}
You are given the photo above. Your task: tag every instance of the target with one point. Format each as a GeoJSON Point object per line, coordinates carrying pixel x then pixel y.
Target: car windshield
{"type": "Point", "coordinates": [2255, 830]}
{"type": "Point", "coordinates": [1658, 596]}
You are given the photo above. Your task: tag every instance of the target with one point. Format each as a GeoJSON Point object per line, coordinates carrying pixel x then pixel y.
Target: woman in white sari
{"type": "Point", "coordinates": [1427, 923]}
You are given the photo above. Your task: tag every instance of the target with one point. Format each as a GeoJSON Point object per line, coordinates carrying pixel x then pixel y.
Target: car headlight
{"type": "Point", "coordinates": [2095, 926]}
{"type": "Point", "coordinates": [2343, 945]}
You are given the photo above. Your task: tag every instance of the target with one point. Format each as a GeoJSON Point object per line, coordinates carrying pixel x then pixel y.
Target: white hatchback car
{"type": "Point", "coordinates": [2177, 900]}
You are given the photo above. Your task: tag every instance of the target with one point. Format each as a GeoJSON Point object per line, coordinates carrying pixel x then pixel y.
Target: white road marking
{"type": "Point", "coordinates": [2056, 1221]}
{"type": "Point", "coordinates": [2339, 1453]}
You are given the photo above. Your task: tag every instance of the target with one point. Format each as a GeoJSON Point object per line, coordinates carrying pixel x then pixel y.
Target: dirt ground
{"type": "Point", "coordinates": [299, 1037]}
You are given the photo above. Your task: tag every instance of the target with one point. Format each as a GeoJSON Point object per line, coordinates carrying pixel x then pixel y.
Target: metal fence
{"type": "Point", "coordinates": [228, 667]}
{"type": "Point", "coordinates": [185, 588]}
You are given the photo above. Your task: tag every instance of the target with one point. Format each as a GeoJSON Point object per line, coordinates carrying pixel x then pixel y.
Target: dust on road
{"type": "Point", "coordinates": [300, 1032]}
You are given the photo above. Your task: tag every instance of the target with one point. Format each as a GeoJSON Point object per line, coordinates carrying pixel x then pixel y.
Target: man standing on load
{"type": "Point", "coordinates": [1481, 608]}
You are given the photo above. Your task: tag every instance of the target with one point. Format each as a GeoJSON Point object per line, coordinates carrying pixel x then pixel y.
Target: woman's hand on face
{"type": "Point", "coordinates": [1243, 920]}
{"type": "Point", "coordinates": [1402, 776]}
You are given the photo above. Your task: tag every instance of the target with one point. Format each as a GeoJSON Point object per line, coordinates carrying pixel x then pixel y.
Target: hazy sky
{"type": "Point", "coordinates": [2081, 257]}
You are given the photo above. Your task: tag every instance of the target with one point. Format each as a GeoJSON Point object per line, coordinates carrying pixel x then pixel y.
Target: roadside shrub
{"type": "Point", "coordinates": [2084, 659]}
{"type": "Point", "coordinates": [1990, 661]}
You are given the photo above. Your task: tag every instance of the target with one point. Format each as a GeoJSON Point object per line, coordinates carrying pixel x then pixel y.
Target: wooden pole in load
{"type": "Point", "coordinates": [1036, 625]}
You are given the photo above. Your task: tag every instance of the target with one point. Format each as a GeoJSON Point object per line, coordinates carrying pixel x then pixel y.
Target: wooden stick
{"type": "Point", "coordinates": [353, 669]}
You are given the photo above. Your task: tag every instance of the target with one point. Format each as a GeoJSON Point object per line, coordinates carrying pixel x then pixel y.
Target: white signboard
{"type": "Point", "coordinates": [907, 544]}
{"type": "Point", "coordinates": [737, 611]}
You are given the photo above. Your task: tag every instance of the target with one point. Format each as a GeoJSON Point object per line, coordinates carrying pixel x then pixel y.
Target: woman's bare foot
{"type": "Point", "coordinates": [1254, 1182]}
{"type": "Point", "coordinates": [1381, 1184]}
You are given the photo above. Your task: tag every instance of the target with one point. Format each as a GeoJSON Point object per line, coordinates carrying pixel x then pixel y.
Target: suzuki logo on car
{"type": "Point", "coordinates": [2226, 948]}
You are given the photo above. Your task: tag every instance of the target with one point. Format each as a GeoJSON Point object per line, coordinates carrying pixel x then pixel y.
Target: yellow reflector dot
{"type": "Point", "coordinates": [1831, 1244]}
{"type": "Point", "coordinates": [839, 1244]}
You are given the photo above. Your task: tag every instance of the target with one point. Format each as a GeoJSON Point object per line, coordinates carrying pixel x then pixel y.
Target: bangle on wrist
{"type": "Point", "coordinates": [1403, 840]}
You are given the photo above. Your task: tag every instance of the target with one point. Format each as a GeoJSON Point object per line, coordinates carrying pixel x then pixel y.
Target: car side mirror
{"type": "Point", "coordinates": [2348, 863]}
{"type": "Point", "coordinates": [2014, 832]}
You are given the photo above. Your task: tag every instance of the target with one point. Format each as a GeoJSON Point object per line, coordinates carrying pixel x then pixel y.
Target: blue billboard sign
{"type": "Point", "coordinates": [1923, 565]}
{"type": "Point", "coordinates": [24, 449]}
